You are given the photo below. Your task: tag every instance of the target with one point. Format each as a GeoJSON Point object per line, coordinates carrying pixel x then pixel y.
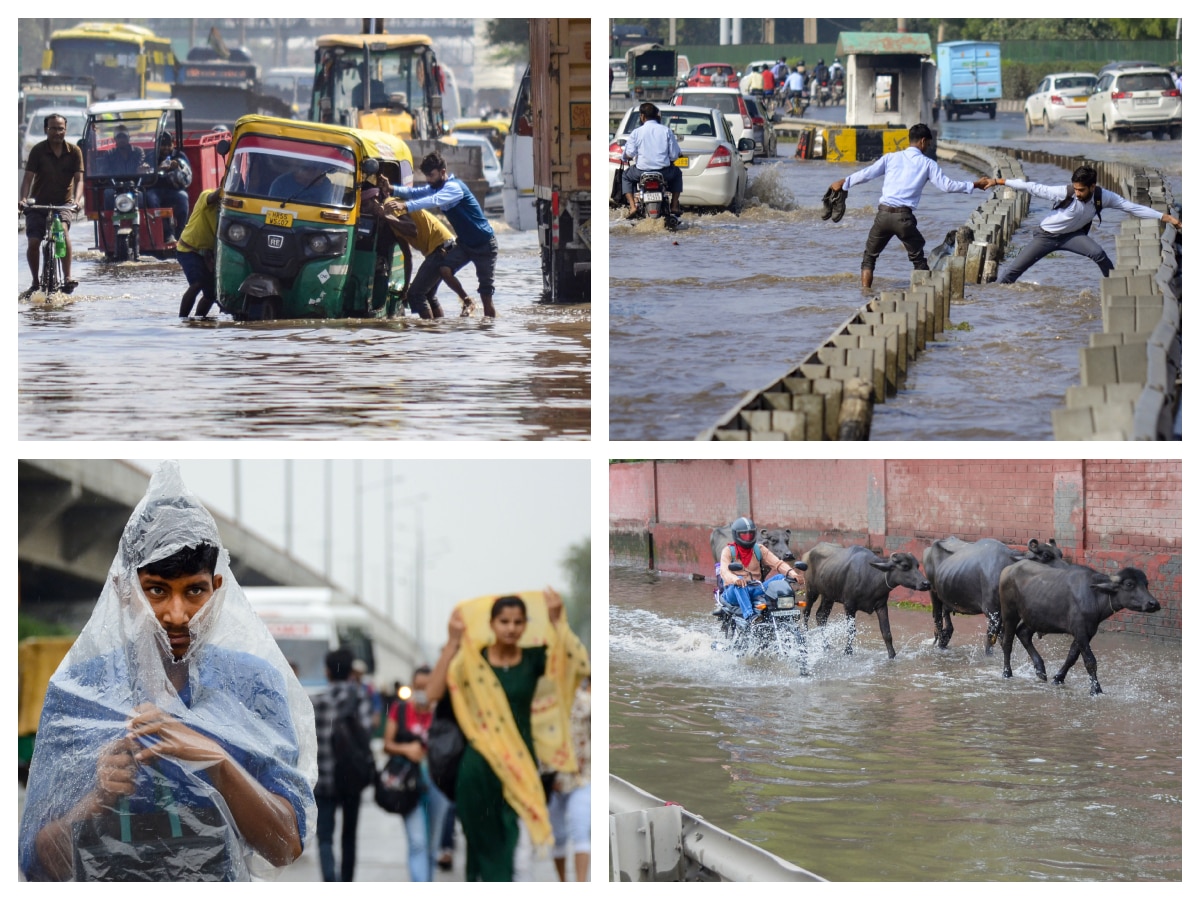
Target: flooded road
{"type": "Point", "coordinates": [113, 362]}
{"type": "Point", "coordinates": [730, 303]}
{"type": "Point", "coordinates": [927, 767]}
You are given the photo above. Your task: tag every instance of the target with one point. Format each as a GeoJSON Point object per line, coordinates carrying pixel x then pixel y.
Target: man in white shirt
{"type": "Point", "coordinates": [1067, 227]}
{"type": "Point", "coordinates": [905, 174]}
{"type": "Point", "coordinates": [655, 149]}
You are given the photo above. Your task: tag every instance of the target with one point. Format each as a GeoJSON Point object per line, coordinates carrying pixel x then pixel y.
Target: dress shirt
{"type": "Point", "coordinates": [905, 174]}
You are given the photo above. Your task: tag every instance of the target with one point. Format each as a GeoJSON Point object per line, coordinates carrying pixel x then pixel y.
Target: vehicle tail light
{"type": "Point", "coordinates": [653, 185]}
{"type": "Point", "coordinates": [746, 123]}
{"type": "Point", "coordinates": [1057, 100]}
{"type": "Point", "coordinates": [614, 152]}
{"type": "Point", "coordinates": [1174, 92]}
{"type": "Point", "coordinates": [1121, 95]}
{"type": "Point", "coordinates": [721, 157]}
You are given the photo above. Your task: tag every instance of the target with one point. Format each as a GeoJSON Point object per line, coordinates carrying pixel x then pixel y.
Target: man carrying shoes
{"type": "Point", "coordinates": [905, 174]}
{"type": "Point", "coordinates": [653, 146]}
{"type": "Point", "coordinates": [1067, 227]}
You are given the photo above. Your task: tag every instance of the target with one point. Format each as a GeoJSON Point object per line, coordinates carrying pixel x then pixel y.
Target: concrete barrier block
{"type": "Point", "coordinates": [1122, 393]}
{"type": "Point", "coordinates": [1078, 396]}
{"type": "Point", "coordinates": [1119, 317]}
{"type": "Point", "coordinates": [1097, 365]}
{"type": "Point", "coordinates": [1142, 284]}
{"type": "Point", "coordinates": [1147, 317]}
{"type": "Point", "coordinates": [813, 407]}
{"type": "Point", "coordinates": [831, 390]}
{"type": "Point", "coordinates": [1116, 417]}
{"type": "Point", "coordinates": [1103, 339]}
{"type": "Point", "coordinates": [1131, 363]}
{"type": "Point", "coordinates": [1072, 424]}
{"type": "Point", "coordinates": [757, 419]}
{"type": "Point", "coordinates": [845, 341]}
{"type": "Point", "coordinates": [776, 400]}
{"type": "Point", "coordinates": [767, 436]}
{"type": "Point", "coordinates": [795, 385]}
{"type": "Point", "coordinates": [974, 263]}
{"type": "Point", "coordinates": [813, 372]}
{"type": "Point", "coordinates": [957, 267]}
{"type": "Point", "coordinates": [877, 347]}
{"type": "Point", "coordinates": [832, 356]}
{"type": "Point", "coordinates": [731, 434]}
{"type": "Point", "coordinates": [789, 423]}
{"type": "Point", "coordinates": [904, 349]}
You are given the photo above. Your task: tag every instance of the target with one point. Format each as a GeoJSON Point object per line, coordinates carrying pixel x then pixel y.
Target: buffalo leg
{"type": "Point", "coordinates": [822, 617]}
{"type": "Point", "coordinates": [1010, 631]}
{"type": "Point", "coordinates": [851, 631]}
{"type": "Point", "coordinates": [885, 629]}
{"type": "Point", "coordinates": [943, 628]}
{"type": "Point", "coordinates": [993, 631]}
{"type": "Point", "coordinates": [1025, 634]}
{"type": "Point", "coordinates": [1089, 660]}
{"type": "Point", "coordinates": [1072, 655]}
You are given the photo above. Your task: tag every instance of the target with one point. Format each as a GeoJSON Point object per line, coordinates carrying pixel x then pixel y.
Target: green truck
{"type": "Point", "coordinates": [650, 70]}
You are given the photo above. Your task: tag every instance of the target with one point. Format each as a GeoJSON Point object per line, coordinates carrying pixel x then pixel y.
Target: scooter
{"type": "Point", "coordinates": [776, 629]}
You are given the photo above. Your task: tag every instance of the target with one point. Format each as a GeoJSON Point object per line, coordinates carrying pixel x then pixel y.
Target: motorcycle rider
{"type": "Point", "coordinates": [821, 72]}
{"type": "Point", "coordinates": [837, 71]}
{"type": "Point", "coordinates": [757, 562]}
{"type": "Point", "coordinates": [655, 149]}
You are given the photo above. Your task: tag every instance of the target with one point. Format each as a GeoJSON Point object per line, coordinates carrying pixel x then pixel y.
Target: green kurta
{"type": "Point", "coordinates": [489, 823]}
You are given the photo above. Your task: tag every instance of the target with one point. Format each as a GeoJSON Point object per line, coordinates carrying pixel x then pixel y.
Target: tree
{"type": "Point", "coordinates": [507, 31]}
{"type": "Point", "coordinates": [578, 597]}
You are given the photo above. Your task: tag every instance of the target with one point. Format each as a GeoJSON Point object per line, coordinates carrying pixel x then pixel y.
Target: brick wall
{"type": "Point", "coordinates": [1103, 513]}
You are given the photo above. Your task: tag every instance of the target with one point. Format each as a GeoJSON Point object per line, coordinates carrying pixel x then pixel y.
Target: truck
{"type": "Point", "coordinates": [650, 72]}
{"type": "Point", "coordinates": [216, 93]}
{"type": "Point", "coordinates": [968, 78]}
{"type": "Point", "coordinates": [547, 155]}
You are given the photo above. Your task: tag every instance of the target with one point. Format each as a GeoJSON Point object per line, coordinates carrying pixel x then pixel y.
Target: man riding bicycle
{"type": "Point", "coordinates": [757, 561]}
{"type": "Point", "coordinates": [53, 177]}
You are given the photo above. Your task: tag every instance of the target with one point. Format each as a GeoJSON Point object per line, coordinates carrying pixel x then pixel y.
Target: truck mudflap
{"type": "Point", "coordinates": [564, 233]}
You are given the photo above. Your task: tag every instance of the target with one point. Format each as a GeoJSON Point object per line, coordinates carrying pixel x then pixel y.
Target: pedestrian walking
{"type": "Point", "coordinates": [405, 734]}
{"type": "Point", "coordinates": [905, 174]}
{"type": "Point", "coordinates": [1068, 225]}
{"type": "Point", "coordinates": [343, 721]}
{"type": "Point", "coordinates": [493, 664]}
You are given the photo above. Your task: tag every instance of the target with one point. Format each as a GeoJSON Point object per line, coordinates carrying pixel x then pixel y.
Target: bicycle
{"type": "Point", "coordinates": [54, 249]}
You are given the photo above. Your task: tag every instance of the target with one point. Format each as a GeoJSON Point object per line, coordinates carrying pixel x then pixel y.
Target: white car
{"type": "Point", "coordinates": [713, 172]}
{"type": "Point", "coordinates": [1061, 97]}
{"type": "Point", "coordinates": [494, 201]}
{"type": "Point", "coordinates": [731, 104]}
{"type": "Point", "coordinates": [35, 130]}
{"type": "Point", "coordinates": [1130, 101]}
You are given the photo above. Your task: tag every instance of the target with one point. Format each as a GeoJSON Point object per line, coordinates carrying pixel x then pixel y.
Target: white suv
{"type": "Point", "coordinates": [1129, 101]}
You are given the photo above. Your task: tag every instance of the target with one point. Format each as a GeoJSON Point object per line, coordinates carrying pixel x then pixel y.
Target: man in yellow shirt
{"type": "Point", "coordinates": [426, 232]}
{"type": "Point", "coordinates": [196, 254]}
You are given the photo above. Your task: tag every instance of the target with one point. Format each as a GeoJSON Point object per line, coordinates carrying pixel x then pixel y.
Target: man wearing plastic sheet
{"type": "Point", "coordinates": [175, 743]}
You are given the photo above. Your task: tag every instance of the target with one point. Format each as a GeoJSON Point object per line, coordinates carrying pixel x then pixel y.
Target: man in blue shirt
{"type": "Point", "coordinates": [654, 147]}
{"type": "Point", "coordinates": [905, 174]}
{"type": "Point", "coordinates": [476, 242]}
{"type": "Point", "coordinates": [1067, 227]}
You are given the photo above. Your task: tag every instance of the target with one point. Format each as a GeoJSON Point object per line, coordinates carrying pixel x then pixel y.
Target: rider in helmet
{"type": "Point", "coordinates": [758, 563]}
{"type": "Point", "coordinates": [821, 72]}
{"type": "Point", "coordinates": [837, 72]}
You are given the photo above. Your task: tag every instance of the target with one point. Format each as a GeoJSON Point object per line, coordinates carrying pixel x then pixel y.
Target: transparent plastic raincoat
{"type": "Point", "coordinates": [232, 693]}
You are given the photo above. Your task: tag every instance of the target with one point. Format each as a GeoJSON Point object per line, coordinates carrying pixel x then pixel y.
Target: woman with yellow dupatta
{"type": "Point", "coordinates": [511, 667]}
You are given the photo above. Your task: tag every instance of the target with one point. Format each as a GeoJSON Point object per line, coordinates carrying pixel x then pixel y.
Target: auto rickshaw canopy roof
{"type": "Point", "coordinates": [378, 144]}
{"type": "Point", "coordinates": [376, 42]}
{"type": "Point", "coordinates": [120, 107]}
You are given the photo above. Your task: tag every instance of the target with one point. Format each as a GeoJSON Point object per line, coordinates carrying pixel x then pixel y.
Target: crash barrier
{"type": "Point", "coordinates": [649, 840]}
{"type": "Point", "coordinates": [1131, 373]}
{"type": "Point", "coordinates": [830, 395]}
{"type": "Point", "coordinates": [843, 143]}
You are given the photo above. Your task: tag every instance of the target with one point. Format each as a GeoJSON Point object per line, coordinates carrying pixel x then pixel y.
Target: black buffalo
{"type": "Point", "coordinates": [774, 539]}
{"type": "Point", "coordinates": [860, 581]}
{"type": "Point", "coordinates": [965, 579]}
{"type": "Point", "coordinates": [1075, 600]}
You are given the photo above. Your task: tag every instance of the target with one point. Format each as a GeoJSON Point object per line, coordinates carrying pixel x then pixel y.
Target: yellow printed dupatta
{"type": "Point", "coordinates": [479, 701]}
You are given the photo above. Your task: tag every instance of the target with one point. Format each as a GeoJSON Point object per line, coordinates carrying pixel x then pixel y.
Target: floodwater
{"type": "Point", "coordinates": [728, 304]}
{"type": "Point", "coordinates": [114, 362]}
{"type": "Point", "coordinates": [928, 767]}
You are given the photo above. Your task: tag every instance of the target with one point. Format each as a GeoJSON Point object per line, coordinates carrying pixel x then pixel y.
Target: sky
{"type": "Point", "coordinates": [490, 526]}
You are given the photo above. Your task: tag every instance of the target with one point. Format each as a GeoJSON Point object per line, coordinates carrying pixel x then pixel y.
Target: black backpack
{"type": "Point", "coordinates": [353, 761]}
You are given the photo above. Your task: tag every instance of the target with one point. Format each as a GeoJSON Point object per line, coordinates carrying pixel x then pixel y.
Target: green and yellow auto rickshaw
{"type": "Point", "coordinates": [293, 240]}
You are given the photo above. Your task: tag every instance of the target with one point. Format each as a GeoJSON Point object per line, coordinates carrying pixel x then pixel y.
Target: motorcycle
{"type": "Point", "coordinates": [839, 92]}
{"type": "Point", "coordinates": [777, 629]}
{"type": "Point", "coordinates": [824, 94]}
{"type": "Point", "coordinates": [652, 201]}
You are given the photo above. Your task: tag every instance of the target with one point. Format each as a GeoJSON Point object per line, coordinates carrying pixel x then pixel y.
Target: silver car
{"type": "Point", "coordinates": [1131, 101]}
{"type": "Point", "coordinates": [713, 172]}
{"type": "Point", "coordinates": [764, 130]}
{"type": "Point", "coordinates": [1061, 97]}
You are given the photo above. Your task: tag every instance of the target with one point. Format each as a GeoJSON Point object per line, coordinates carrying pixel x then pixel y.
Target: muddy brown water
{"type": "Point", "coordinates": [114, 362]}
{"type": "Point", "coordinates": [729, 304]}
{"type": "Point", "coordinates": [931, 766]}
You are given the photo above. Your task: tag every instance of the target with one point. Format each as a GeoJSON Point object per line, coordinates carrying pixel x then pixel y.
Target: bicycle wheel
{"type": "Point", "coordinates": [51, 279]}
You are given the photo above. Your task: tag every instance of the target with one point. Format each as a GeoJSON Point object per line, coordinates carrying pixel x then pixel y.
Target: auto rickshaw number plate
{"type": "Point", "coordinates": [278, 217]}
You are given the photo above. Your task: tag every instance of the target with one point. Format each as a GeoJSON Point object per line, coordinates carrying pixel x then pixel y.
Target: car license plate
{"type": "Point", "coordinates": [1078, 101]}
{"type": "Point", "coordinates": [1146, 101]}
{"type": "Point", "coordinates": [682, 162]}
{"type": "Point", "coordinates": [279, 217]}
{"type": "Point", "coordinates": [654, 195]}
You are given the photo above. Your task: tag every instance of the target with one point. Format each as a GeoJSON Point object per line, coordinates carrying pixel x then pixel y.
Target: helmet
{"type": "Point", "coordinates": [744, 532]}
{"type": "Point", "coordinates": [820, 62]}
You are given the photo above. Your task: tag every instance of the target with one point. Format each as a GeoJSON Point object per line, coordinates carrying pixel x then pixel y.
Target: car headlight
{"type": "Point", "coordinates": [237, 233]}
{"type": "Point", "coordinates": [125, 203]}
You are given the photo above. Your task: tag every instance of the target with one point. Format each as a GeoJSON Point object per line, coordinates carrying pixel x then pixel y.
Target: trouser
{"type": "Point", "coordinates": [895, 221]}
{"type": "Point", "coordinates": [1044, 243]}
{"type": "Point", "coordinates": [326, 816]}
{"type": "Point", "coordinates": [422, 293]}
{"type": "Point", "coordinates": [672, 177]}
{"type": "Point", "coordinates": [744, 597]}
{"type": "Point", "coordinates": [197, 272]}
{"type": "Point", "coordinates": [421, 827]}
{"type": "Point", "coordinates": [177, 200]}
{"type": "Point", "coordinates": [482, 257]}
{"type": "Point", "coordinates": [571, 820]}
